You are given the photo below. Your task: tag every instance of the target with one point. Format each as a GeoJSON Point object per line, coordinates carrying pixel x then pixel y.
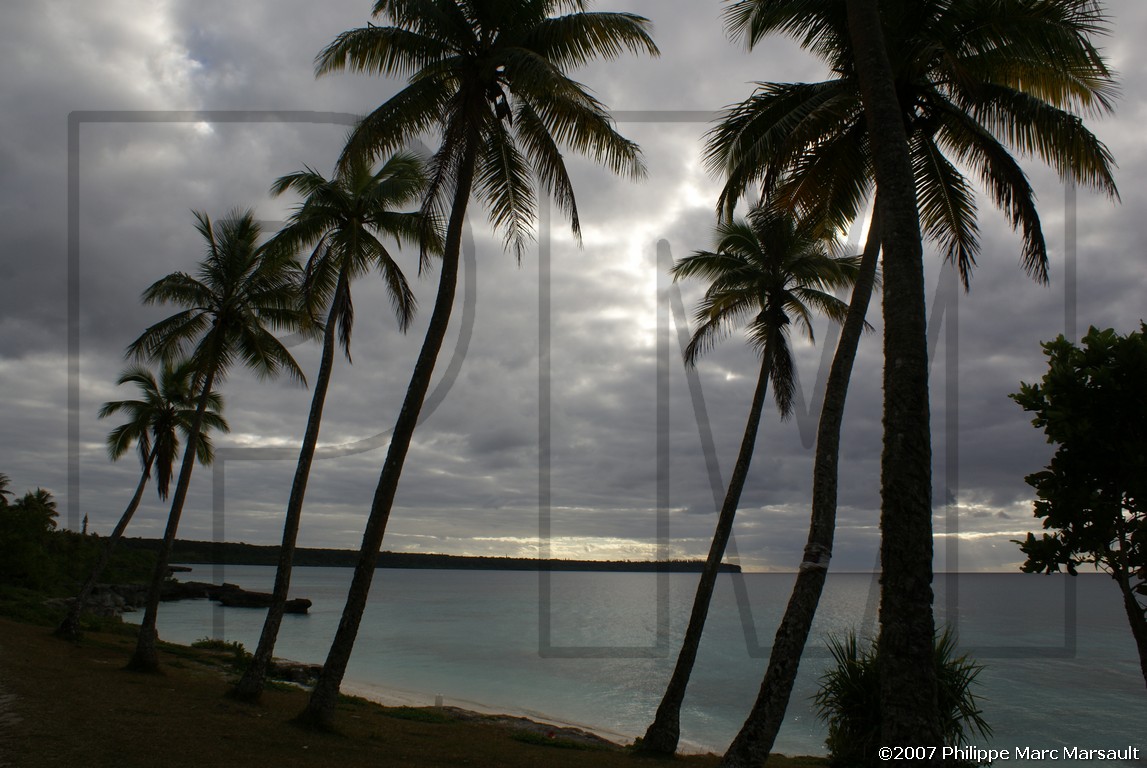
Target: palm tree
{"type": "Point", "coordinates": [769, 270]}
{"type": "Point", "coordinates": [27, 525]}
{"type": "Point", "coordinates": [38, 508]}
{"type": "Point", "coordinates": [5, 481]}
{"type": "Point", "coordinates": [970, 86]}
{"type": "Point", "coordinates": [165, 408]}
{"type": "Point", "coordinates": [909, 704]}
{"type": "Point", "coordinates": [239, 294]}
{"type": "Point", "coordinates": [491, 78]}
{"type": "Point", "coordinates": [341, 221]}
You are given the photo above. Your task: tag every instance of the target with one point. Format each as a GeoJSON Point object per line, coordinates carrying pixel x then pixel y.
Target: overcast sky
{"type": "Point", "coordinates": [472, 479]}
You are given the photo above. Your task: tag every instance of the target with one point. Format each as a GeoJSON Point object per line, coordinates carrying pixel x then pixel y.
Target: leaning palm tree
{"type": "Point", "coordinates": [491, 79]}
{"type": "Point", "coordinates": [975, 80]}
{"type": "Point", "coordinates": [770, 270]}
{"type": "Point", "coordinates": [238, 295]}
{"type": "Point", "coordinates": [165, 408]}
{"type": "Point", "coordinates": [341, 221]}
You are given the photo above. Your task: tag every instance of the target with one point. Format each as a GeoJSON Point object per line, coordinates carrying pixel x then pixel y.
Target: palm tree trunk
{"type": "Point", "coordinates": [250, 686]}
{"type": "Point", "coordinates": [664, 732]}
{"type": "Point", "coordinates": [754, 742]}
{"type": "Point", "coordinates": [908, 702]}
{"type": "Point", "coordinates": [69, 628]}
{"type": "Point", "coordinates": [319, 711]}
{"type": "Point", "coordinates": [146, 657]}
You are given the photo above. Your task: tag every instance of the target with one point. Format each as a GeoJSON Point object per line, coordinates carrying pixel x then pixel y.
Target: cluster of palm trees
{"type": "Point", "coordinates": [918, 90]}
{"type": "Point", "coordinates": [920, 94]}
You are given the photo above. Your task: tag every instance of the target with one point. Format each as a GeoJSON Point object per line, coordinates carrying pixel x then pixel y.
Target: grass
{"type": "Point", "coordinates": [73, 704]}
{"type": "Point", "coordinates": [418, 714]}
{"type": "Point", "coordinates": [542, 740]}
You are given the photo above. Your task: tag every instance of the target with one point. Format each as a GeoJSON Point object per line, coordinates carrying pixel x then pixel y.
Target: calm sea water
{"type": "Point", "coordinates": [596, 649]}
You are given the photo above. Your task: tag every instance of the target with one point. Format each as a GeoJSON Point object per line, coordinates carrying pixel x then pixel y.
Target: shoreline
{"type": "Point", "coordinates": [71, 703]}
{"type": "Point", "coordinates": [388, 696]}
{"type": "Point", "coordinates": [393, 696]}
{"type": "Point", "coordinates": [422, 692]}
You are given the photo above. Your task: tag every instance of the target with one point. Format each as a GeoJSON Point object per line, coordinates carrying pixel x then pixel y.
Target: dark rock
{"type": "Point", "coordinates": [294, 671]}
{"type": "Point", "coordinates": [244, 599]}
{"type": "Point", "coordinates": [114, 599]}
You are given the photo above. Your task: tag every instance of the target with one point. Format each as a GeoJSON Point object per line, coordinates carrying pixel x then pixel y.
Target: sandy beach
{"type": "Point", "coordinates": [74, 704]}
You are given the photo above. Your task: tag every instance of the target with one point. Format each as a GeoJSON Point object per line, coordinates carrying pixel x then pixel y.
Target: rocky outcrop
{"type": "Point", "coordinates": [241, 598]}
{"type": "Point", "coordinates": [117, 599]}
{"type": "Point", "coordinates": [230, 595]}
{"type": "Point", "coordinates": [294, 671]}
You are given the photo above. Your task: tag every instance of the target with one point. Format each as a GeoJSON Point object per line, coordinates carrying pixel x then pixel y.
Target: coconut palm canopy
{"type": "Point", "coordinates": [495, 74]}
{"type": "Point", "coordinates": [980, 82]}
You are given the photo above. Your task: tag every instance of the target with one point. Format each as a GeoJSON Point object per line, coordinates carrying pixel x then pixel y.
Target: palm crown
{"type": "Point", "coordinates": [341, 221]}
{"type": "Point", "coordinates": [166, 407]}
{"type": "Point", "coordinates": [240, 293]}
{"type": "Point", "coordinates": [767, 271]}
{"type": "Point", "coordinates": [491, 76]}
{"type": "Point", "coordinates": [973, 78]}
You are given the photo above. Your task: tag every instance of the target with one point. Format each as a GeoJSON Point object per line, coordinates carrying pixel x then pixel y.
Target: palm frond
{"type": "Point", "coordinates": [575, 39]}
{"type": "Point", "coordinates": [503, 179]}
{"type": "Point", "coordinates": [947, 205]}
{"type": "Point", "coordinates": [388, 51]}
{"type": "Point", "coordinates": [1056, 136]}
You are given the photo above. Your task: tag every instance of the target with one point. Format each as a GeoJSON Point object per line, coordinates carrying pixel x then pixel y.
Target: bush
{"type": "Point", "coordinates": [217, 644]}
{"type": "Point", "coordinates": [849, 699]}
{"type": "Point", "coordinates": [240, 657]}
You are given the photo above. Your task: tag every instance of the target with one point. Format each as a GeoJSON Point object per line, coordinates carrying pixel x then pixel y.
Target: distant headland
{"type": "Point", "coordinates": [239, 553]}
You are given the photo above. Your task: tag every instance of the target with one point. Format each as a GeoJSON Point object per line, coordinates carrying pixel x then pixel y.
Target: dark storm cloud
{"type": "Point", "coordinates": [472, 479]}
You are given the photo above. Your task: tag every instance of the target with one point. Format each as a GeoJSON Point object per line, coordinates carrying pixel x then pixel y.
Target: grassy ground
{"type": "Point", "coordinates": [64, 704]}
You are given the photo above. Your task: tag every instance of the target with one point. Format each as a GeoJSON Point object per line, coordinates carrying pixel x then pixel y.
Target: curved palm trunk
{"type": "Point", "coordinates": [664, 732]}
{"type": "Point", "coordinates": [754, 742]}
{"type": "Point", "coordinates": [146, 657]}
{"type": "Point", "coordinates": [908, 704]}
{"type": "Point", "coordinates": [319, 711]}
{"type": "Point", "coordinates": [69, 628]}
{"type": "Point", "coordinates": [250, 686]}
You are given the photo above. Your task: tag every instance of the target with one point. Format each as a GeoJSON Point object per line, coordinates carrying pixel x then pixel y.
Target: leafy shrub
{"type": "Point", "coordinates": [849, 699]}
{"type": "Point", "coordinates": [240, 657]}
{"type": "Point", "coordinates": [218, 644]}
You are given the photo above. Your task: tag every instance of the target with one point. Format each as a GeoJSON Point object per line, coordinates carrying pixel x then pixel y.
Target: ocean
{"type": "Point", "coordinates": [596, 649]}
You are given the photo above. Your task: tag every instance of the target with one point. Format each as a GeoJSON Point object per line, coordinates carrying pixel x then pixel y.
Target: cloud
{"type": "Point", "coordinates": [475, 478]}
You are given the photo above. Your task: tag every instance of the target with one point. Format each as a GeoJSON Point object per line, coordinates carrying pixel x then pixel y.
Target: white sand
{"type": "Point", "coordinates": [396, 697]}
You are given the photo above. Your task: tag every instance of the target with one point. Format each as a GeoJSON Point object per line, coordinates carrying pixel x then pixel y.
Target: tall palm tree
{"type": "Point", "coordinates": [239, 294]}
{"type": "Point", "coordinates": [491, 79]}
{"type": "Point", "coordinates": [909, 701]}
{"type": "Point", "coordinates": [5, 482]}
{"type": "Point", "coordinates": [974, 79]}
{"type": "Point", "coordinates": [165, 408]}
{"type": "Point", "coordinates": [341, 221]}
{"type": "Point", "coordinates": [770, 270]}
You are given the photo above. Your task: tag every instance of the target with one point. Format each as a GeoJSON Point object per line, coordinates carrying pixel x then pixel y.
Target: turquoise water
{"type": "Point", "coordinates": [478, 638]}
